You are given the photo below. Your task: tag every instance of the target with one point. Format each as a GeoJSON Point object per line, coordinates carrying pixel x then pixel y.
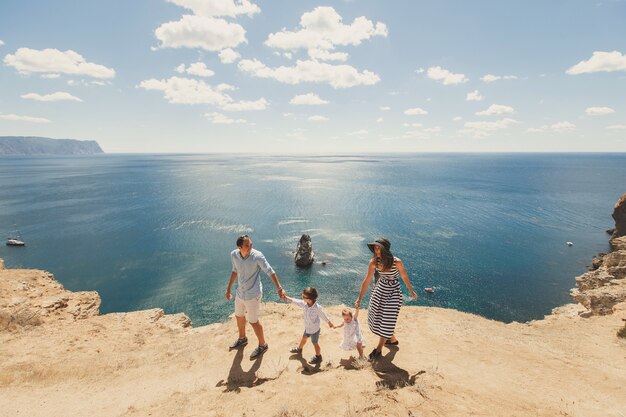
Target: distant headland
{"type": "Point", "coordinates": [32, 145]}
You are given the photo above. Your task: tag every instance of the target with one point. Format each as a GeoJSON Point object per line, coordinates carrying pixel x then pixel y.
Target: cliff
{"type": "Point", "coordinates": [59, 356]}
{"type": "Point", "coordinates": [600, 289]}
{"type": "Point", "coordinates": [28, 145]}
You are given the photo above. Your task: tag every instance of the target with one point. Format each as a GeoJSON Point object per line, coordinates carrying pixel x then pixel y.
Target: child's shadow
{"type": "Point", "coordinates": [238, 378]}
{"type": "Point", "coordinates": [392, 376]}
{"type": "Point", "coordinates": [307, 368]}
{"type": "Point", "coordinates": [353, 364]}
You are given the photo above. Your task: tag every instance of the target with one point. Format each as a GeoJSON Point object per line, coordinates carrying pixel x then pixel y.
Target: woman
{"type": "Point", "coordinates": [386, 297]}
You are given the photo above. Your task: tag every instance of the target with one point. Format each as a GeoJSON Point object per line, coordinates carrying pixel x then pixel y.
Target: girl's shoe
{"type": "Point", "coordinates": [296, 350]}
{"type": "Point", "coordinates": [388, 342]}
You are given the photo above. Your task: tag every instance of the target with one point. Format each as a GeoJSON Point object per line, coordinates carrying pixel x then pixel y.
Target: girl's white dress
{"type": "Point", "coordinates": [351, 335]}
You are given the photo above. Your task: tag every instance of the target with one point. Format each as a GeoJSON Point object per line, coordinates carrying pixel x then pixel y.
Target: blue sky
{"type": "Point", "coordinates": [317, 77]}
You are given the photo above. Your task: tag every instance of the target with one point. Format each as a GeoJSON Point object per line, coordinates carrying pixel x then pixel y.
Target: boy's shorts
{"type": "Point", "coordinates": [315, 337]}
{"type": "Point", "coordinates": [248, 308]}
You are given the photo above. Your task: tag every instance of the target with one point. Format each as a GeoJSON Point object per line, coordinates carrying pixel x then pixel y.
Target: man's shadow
{"type": "Point", "coordinates": [392, 376]}
{"type": "Point", "coordinates": [238, 378]}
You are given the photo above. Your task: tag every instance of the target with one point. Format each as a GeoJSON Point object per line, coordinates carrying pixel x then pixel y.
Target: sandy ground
{"type": "Point", "coordinates": [448, 363]}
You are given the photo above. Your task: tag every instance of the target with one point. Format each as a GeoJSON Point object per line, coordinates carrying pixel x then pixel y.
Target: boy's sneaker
{"type": "Point", "coordinates": [315, 360]}
{"type": "Point", "coordinates": [260, 350]}
{"type": "Point", "coordinates": [295, 350]}
{"type": "Point", "coordinates": [239, 343]}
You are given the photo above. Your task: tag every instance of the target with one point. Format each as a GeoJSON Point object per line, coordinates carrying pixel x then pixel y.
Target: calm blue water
{"type": "Point", "coordinates": [487, 231]}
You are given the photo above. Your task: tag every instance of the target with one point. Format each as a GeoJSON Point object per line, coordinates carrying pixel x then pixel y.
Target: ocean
{"type": "Point", "coordinates": [487, 231]}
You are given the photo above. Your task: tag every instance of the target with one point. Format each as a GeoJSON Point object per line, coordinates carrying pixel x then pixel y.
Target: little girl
{"type": "Point", "coordinates": [352, 336]}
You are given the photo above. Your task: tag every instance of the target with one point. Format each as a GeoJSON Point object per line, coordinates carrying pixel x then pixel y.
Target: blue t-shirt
{"type": "Point", "coordinates": [248, 271]}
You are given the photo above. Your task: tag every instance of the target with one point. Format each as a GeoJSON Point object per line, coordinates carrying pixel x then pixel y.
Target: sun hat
{"type": "Point", "coordinates": [381, 242]}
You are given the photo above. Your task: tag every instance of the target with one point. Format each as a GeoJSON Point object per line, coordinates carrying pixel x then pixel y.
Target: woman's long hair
{"type": "Point", "coordinates": [386, 259]}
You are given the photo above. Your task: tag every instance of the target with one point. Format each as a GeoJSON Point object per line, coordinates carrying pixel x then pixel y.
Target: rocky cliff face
{"type": "Point", "coordinates": [602, 288]}
{"type": "Point", "coordinates": [27, 145]}
{"type": "Point", "coordinates": [30, 297]}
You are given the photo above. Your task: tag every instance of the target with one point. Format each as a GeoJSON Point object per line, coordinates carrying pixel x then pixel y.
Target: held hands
{"type": "Point", "coordinates": [331, 325]}
{"type": "Point", "coordinates": [228, 295]}
{"type": "Point", "coordinates": [281, 293]}
{"type": "Point", "coordinates": [357, 303]}
{"type": "Point", "coordinates": [413, 294]}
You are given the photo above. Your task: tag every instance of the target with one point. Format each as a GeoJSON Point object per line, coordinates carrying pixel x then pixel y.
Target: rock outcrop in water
{"type": "Point", "coordinates": [31, 145]}
{"type": "Point", "coordinates": [304, 253]}
{"type": "Point", "coordinates": [600, 289]}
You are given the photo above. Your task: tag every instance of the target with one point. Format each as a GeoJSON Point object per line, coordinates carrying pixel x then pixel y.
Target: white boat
{"type": "Point", "coordinates": [15, 242]}
{"type": "Point", "coordinates": [15, 239]}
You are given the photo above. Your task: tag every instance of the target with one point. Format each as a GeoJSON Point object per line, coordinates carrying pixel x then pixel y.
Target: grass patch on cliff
{"type": "Point", "coordinates": [12, 320]}
{"type": "Point", "coordinates": [622, 332]}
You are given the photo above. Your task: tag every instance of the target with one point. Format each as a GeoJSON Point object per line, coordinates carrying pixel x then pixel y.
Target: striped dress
{"type": "Point", "coordinates": [385, 302]}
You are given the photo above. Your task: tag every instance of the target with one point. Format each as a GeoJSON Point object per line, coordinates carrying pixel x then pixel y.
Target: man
{"type": "Point", "coordinates": [247, 266]}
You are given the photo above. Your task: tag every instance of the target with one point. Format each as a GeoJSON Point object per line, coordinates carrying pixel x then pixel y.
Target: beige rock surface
{"type": "Point", "coordinates": [67, 360]}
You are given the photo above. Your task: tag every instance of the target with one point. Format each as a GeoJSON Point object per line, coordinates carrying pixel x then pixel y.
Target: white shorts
{"type": "Point", "coordinates": [248, 308]}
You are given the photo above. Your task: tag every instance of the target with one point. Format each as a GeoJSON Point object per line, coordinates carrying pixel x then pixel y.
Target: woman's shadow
{"type": "Point", "coordinates": [238, 378]}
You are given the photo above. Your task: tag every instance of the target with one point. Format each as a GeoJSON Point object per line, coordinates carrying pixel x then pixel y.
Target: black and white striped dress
{"type": "Point", "coordinates": [385, 302]}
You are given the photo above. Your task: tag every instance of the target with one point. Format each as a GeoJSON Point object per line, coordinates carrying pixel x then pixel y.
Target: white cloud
{"type": "Point", "coordinates": [322, 29]}
{"type": "Point", "coordinates": [58, 96]}
{"type": "Point", "coordinates": [187, 91]}
{"type": "Point", "coordinates": [228, 56]}
{"type": "Point", "coordinates": [489, 78]}
{"type": "Point", "coordinates": [318, 118]}
{"type": "Point", "coordinates": [416, 111]}
{"type": "Point", "coordinates": [360, 133]}
{"type": "Point", "coordinates": [1, 42]}
{"type": "Point", "coordinates": [225, 87]}
{"type": "Point", "coordinates": [496, 109]}
{"type": "Point", "coordinates": [600, 62]}
{"type": "Point", "coordinates": [556, 127]}
{"type": "Point", "coordinates": [310, 99]}
{"type": "Point", "coordinates": [599, 111]}
{"type": "Point", "coordinates": [83, 83]}
{"type": "Point", "coordinates": [260, 104]}
{"type": "Point", "coordinates": [616, 127]}
{"type": "Point", "coordinates": [380, 120]}
{"type": "Point", "coordinates": [385, 108]}
{"type": "Point", "coordinates": [474, 96]}
{"type": "Point", "coordinates": [338, 76]}
{"type": "Point", "coordinates": [446, 77]}
{"type": "Point", "coordinates": [420, 70]}
{"type": "Point", "coordinates": [18, 118]}
{"type": "Point", "coordinates": [219, 118]}
{"type": "Point", "coordinates": [563, 127]}
{"type": "Point", "coordinates": [413, 125]}
{"type": "Point", "coordinates": [480, 129]}
{"type": "Point", "coordinates": [208, 33]}
{"type": "Point", "coordinates": [52, 61]}
{"type": "Point", "coordinates": [324, 55]}
{"type": "Point", "coordinates": [199, 68]}
{"type": "Point", "coordinates": [457, 119]}
{"type": "Point", "coordinates": [211, 8]}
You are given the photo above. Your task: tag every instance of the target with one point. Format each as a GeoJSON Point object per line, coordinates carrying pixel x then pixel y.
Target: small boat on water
{"type": "Point", "coordinates": [15, 242]}
{"type": "Point", "coordinates": [15, 239]}
{"type": "Point", "coordinates": [429, 290]}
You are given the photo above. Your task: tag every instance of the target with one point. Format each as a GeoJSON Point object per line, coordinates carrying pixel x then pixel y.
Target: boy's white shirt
{"type": "Point", "coordinates": [312, 315]}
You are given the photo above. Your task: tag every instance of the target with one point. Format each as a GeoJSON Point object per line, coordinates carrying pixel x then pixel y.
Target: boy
{"type": "Point", "coordinates": [312, 314]}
